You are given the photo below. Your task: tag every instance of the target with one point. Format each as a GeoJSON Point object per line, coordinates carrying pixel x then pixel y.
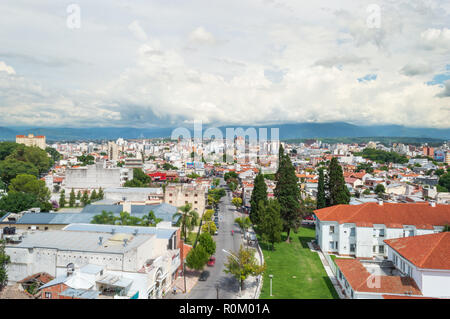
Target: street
{"type": "Point", "coordinates": [228, 285]}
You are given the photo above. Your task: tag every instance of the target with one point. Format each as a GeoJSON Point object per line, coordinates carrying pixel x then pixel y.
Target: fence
{"type": "Point", "coordinates": [330, 263]}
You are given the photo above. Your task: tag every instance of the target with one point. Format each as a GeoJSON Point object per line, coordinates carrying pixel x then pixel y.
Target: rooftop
{"type": "Point", "coordinates": [79, 241]}
{"type": "Point", "coordinates": [393, 215]}
{"type": "Point", "coordinates": [426, 251]}
{"type": "Point", "coordinates": [358, 278]}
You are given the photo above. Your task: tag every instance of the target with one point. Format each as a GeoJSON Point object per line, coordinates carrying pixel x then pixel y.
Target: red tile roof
{"type": "Point", "coordinates": [426, 251]}
{"type": "Point", "coordinates": [421, 215]}
{"type": "Point", "coordinates": [358, 277]}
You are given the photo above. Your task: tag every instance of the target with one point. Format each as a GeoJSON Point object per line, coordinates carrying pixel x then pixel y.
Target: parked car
{"type": "Point", "coordinates": [212, 261]}
{"type": "Point", "coordinates": [204, 275]}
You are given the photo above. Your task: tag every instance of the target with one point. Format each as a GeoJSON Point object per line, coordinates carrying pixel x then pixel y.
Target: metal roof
{"type": "Point", "coordinates": [79, 241]}
{"type": "Point", "coordinates": [161, 233]}
{"type": "Point", "coordinates": [134, 190]}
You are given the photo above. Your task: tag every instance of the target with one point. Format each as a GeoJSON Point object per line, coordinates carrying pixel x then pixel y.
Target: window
{"type": "Point", "coordinates": [374, 249]}
{"type": "Point", "coordinates": [48, 295]}
{"type": "Point", "coordinates": [381, 232]}
{"type": "Point", "coordinates": [170, 194]}
{"type": "Point", "coordinates": [374, 232]}
{"type": "Point", "coordinates": [46, 228]}
{"type": "Point", "coordinates": [353, 231]}
{"type": "Point", "coordinates": [381, 249]}
{"type": "Point", "coordinates": [352, 248]}
{"type": "Point", "coordinates": [331, 244]}
{"type": "Point", "coordinates": [331, 229]}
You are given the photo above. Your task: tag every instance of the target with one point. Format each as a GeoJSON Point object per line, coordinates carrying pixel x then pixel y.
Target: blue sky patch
{"type": "Point", "coordinates": [367, 78]}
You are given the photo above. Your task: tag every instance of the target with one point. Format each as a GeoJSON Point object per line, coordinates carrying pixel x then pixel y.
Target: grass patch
{"type": "Point", "coordinates": [297, 272]}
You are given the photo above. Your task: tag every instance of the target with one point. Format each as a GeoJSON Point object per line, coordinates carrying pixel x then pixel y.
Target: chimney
{"type": "Point", "coordinates": [432, 203]}
{"type": "Point", "coordinates": [380, 202]}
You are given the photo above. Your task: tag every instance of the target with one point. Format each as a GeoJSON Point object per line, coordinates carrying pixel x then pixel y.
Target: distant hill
{"type": "Point", "coordinates": [286, 131]}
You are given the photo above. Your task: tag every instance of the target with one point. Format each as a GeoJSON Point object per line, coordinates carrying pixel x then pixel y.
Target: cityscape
{"type": "Point", "coordinates": [191, 173]}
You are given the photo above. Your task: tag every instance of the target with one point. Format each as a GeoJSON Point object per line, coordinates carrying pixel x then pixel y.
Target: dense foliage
{"type": "Point", "coordinates": [382, 157]}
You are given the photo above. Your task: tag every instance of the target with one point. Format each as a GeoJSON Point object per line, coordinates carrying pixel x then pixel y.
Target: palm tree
{"type": "Point", "coordinates": [150, 219]}
{"type": "Point", "coordinates": [189, 218]}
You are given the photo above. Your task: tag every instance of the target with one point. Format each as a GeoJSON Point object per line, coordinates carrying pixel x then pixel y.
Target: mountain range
{"type": "Point", "coordinates": [286, 131]}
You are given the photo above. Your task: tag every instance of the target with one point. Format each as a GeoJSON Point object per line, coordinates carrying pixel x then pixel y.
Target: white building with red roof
{"type": "Point", "coordinates": [360, 230]}
{"type": "Point", "coordinates": [426, 259]}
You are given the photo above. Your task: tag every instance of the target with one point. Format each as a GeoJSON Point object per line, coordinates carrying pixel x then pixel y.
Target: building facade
{"type": "Point", "coordinates": [31, 140]}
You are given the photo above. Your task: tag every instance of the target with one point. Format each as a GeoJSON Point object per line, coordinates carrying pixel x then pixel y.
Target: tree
{"type": "Point", "coordinates": [338, 192]}
{"type": "Point", "coordinates": [237, 201]}
{"type": "Point", "coordinates": [4, 261]}
{"type": "Point", "coordinates": [259, 193]}
{"type": "Point", "coordinates": [16, 202]}
{"type": "Point", "coordinates": [209, 227]}
{"type": "Point", "coordinates": [243, 222]}
{"type": "Point", "coordinates": [366, 191]}
{"type": "Point", "coordinates": [134, 183]}
{"type": "Point", "coordinates": [10, 168]}
{"type": "Point", "coordinates": [104, 218]}
{"type": "Point", "coordinates": [321, 197]}
{"type": "Point", "coordinates": [34, 155]}
{"type": "Point", "coordinates": [206, 240]}
{"type": "Point", "coordinates": [85, 198]}
{"type": "Point", "coordinates": [271, 224]}
{"type": "Point", "coordinates": [30, 184]}
{"type": "Point", "coordinates": [79, 195]}
{"type": "Point", "coordinates": [207, 215]}
{"type": "Point", "coordinates": [62, 199]}
{"type": "Point", "coordinates": [287, 193]}
{"type": "Point", "coordinates": [379, 189]}
{"type": "Point", "coordinates": [55, 155]}
{"type": "Point", "coordinates": [243, 264]}
{"type": "Point", "coordinates": [189, 218]}
{"type": "Point", "coordinates": [7, 148]}
{"type": "Point", "coordinates": [100, 194]}
{"type": "Point", "coordinates": [197, 257]}
{"type": "Point", "coordinates": [94, 195]}
{"type": "Point", "coordinates": [444, 181]}
{"type": "Point", "coordinates": [139, 175]}
{"type": "Point", "coordinates": [150, 219]}
{"type": "Point", "coordinates": [72, 198]}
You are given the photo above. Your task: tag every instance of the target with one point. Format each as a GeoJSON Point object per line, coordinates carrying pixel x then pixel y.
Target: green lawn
{"type": "Point", "coordinates": [297, 272]}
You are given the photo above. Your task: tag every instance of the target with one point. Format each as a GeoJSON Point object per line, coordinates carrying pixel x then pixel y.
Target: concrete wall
{"type": "Point", "coordinates": [94, 177]}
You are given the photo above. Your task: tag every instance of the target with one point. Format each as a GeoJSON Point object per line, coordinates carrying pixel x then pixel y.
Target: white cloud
{"type": "Point", "coordinates": [6, 68]}
{"type": "Point", "coordinates": [137, 31]}
{"type": "Point", "coordinates": [201, 36]}
{"type": "Point", "coordinates": [279, 64]}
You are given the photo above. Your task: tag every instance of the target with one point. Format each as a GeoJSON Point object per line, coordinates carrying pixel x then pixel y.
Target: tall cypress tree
{"type": "Point", "coordinates": [321, 198]}
{"type": "Point", "coordinates": [287, 192]}
{"type": "Point", "coordinates": [337, 190]}
{"type": "Point", "coordinates": [259, 193]}
{"type": "Point", "coordinates": [72, 198]}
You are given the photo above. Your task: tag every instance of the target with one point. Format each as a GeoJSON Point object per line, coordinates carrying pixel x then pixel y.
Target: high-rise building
{"type": "Point", "coordinates": [32, 140]}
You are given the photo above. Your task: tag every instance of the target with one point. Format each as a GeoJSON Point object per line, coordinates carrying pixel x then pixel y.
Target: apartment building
{"type": "Point", "coordinates": [360, 230]}
{"type": "Point", "coordinates": [31, 140]}
{"type": "Point", "coordinates": [181, 194]}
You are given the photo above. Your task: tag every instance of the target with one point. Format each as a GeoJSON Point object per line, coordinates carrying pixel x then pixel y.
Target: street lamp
{"type": "Point", "coordinates": [240, 267]}
{"type": "Point", "coordinates": [270, 276]}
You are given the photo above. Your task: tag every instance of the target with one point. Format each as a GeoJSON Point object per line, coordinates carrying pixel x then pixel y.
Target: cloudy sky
{"type": "Point", "coordinates": [143, 63]}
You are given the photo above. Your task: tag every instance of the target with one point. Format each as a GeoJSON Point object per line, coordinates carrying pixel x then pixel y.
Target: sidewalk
{"type": "Point", "coordinates": [329, 272]}
{"type": "Point", "coordinates": [253, 285]}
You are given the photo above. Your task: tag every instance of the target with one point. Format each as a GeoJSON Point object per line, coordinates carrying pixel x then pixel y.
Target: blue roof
{"type": "Point", "coordinates": [56, 281]}
{"type": "Point", "coordinates": [163, 211]}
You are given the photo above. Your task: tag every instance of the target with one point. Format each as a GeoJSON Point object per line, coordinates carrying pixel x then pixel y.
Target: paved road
{"type": "Point", "coordinates": [228, 284]}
